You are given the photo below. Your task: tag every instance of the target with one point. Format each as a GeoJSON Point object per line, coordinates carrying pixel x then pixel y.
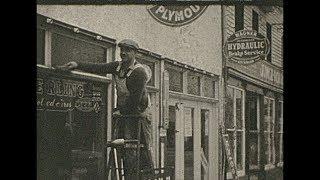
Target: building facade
{"type": "Point", "coordinates": [254, 95]}
{"type": "Point", "coordinates": [185, 90]}
{"type": "Point", "coordinates": [194, 89]}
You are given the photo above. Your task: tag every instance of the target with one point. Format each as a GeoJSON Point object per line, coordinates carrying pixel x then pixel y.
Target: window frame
{"type": "Point", "coordinates": [257, 132]}
{"type": "Point", "coordinates": [280, 133]}
{"type": "Point", "coordinates": [269, 163]}
{"type": "Point", "coordinates": [269, 37]}
{"type": "Point", "coordinates": [51, 26]}
{"type": "Point", "coordinates": [234, 129]}
{"type": "Point", "coordinates": [255, 24]}
{"type": "Point", "coordinates": [238, 17]}
{"type": "Point", "coordinates": [201, 74]}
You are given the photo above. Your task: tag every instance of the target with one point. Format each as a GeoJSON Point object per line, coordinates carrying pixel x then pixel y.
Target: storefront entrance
{"type": "Point", "coordinates": [188, 139]}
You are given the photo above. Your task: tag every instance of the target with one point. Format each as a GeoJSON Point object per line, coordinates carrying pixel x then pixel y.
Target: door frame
{"type": "Point", "coordinates": [180, 105]}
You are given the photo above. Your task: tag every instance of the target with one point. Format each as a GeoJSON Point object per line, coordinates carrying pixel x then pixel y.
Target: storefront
{"type": "Point", "coordinates": [253, 83]}
{"type": "Point", "coordinates": [254, 123]}
{"type": "Point", "coordinates": [184, 100]}
{"type": "Point", "coordinates": [73, 108]}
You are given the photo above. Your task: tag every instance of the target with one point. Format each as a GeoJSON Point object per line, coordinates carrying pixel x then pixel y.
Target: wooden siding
{"type": "Point", "coordinates": [275, 19]}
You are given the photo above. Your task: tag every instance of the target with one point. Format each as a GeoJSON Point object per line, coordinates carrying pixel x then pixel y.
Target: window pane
{"type": "Point", "coordinates": [55, 148]}
{"type": "Point", "coordinates": [239, 20]}
{"type": "Point", "coordinates": [229, 109]}
{"type": "Point", "coordinates": [65, 49]}
{"type": "Point", "coordinates": [188, 143]}
{"type": "Point", "coordinates": [172, 127]}
{"type": "Point", "coordinates": [240, 152]}
{"type": "Point", "coordinates": [170, 151]}
{"type": "Point", "coordinates": [266, 118]}
{"type": "Point", "coordinates": [152, 67]}
{"type": "Point", "coordinates": [208, 87]}
{"type": "Point", "coordinates": [267, 147]}
{"type": "Point", "coordinates": [277, 146]}
{"type": "Point", "coordinates": [193, 84]}
{"type": "Point", "coordinates": [40, 46]}
{"type": "Point", "coordinates": [255, 21]}
{"type": "Point", "coordinates": [253, 150]}
{"type": "Point", "coordinates": [205, 132]}
{"type": "Point", "coordinates": [272, 148]}
{"type": "Point", "coordinates": [281, 147]}
{"type": "Point", "coordinates": [232, 147]}
{"type": "Point", "coordinates": [266, 104]}
{"type": "Point", "coordinates": [239, 109]}
{"type": "Point", "coordinates": [252, 109]}
{"type": "Point", "coordinates": [175, 80]}
{"type": "Point", "coordinates": [271, 102]}
{"type": "Point", "coordinates": [269, 34]}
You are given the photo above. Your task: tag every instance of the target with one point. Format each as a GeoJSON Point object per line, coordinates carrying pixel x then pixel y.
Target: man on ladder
{"type": "Point", "coordinates": [133, 101]}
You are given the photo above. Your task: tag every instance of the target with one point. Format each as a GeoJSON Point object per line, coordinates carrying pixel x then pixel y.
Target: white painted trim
{"type": "Point", "coordinates": [269, 166]}
{"type": "Point", "coordinates": [213, 138]}
{"type": "Point", "coordinates": [75, 72]}
{"type": "Point", "coordinates": [47, 48]}
{"type": "Point", "coordinates": [189, 97]}
{"type": "Point", "coordinates": [89, 75]}
{"type": "Point", "coordinates": [280, 164]}
{"type": "Point", "coordinates": [272, 162]}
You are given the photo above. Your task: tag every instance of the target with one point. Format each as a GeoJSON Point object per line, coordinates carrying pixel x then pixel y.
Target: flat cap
{"type": "Point", "coordinates": [129, 43]}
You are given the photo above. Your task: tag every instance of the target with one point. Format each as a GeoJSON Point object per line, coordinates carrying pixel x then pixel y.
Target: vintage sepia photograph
{"type": "Point", "coordinates": [160, 90]}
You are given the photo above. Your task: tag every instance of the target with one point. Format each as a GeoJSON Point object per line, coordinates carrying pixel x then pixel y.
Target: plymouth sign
{"type": "Point", "coordinates": [175, 15]}
{"type": "Point", "coordinates": [246, 47]}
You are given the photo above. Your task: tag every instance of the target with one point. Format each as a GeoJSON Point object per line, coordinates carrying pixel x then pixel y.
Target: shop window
{"type": "Point", "coordinates": [208, 87]}
{"type": "Point", "coordinates": [269, 37]}
{"type": "Point", "coordinates": [235, 125]}
{"type": "Point", "coordinates": [239, 17]}
{"type": "Point", "coordinates": [255, 21]}
{"type": "Point", "coordinates": [175, 80]}
{"type": "Point", "coordinates": [66, 49]}
{"type": "Point", "coordinates": [193, 84]}
{"type": "Point", "coordinates": [269, 120]}
{"type": "Point", "coordinates": [40, 46]}
{"type": "Point", "coordinates": [70, 127]}
{"type": "Point", "coordinates": [279, 134]}
{"type": "Point", "coordinates": [152, 67]}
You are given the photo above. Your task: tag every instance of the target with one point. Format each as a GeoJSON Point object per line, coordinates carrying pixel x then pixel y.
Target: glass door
{"type": "Point", "coordinates": [188, 114]}
{"type": "Point", "coordinates": [187, 148]}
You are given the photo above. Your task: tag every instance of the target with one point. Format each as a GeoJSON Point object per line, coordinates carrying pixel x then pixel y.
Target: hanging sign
{"type": "Point", "coordinates": [246, 47]}
{"type": "Point", "coordinates": [175, 15]}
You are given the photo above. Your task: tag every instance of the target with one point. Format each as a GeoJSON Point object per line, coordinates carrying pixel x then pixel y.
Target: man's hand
{"type": "Point", "coordinates": [68, 66]}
